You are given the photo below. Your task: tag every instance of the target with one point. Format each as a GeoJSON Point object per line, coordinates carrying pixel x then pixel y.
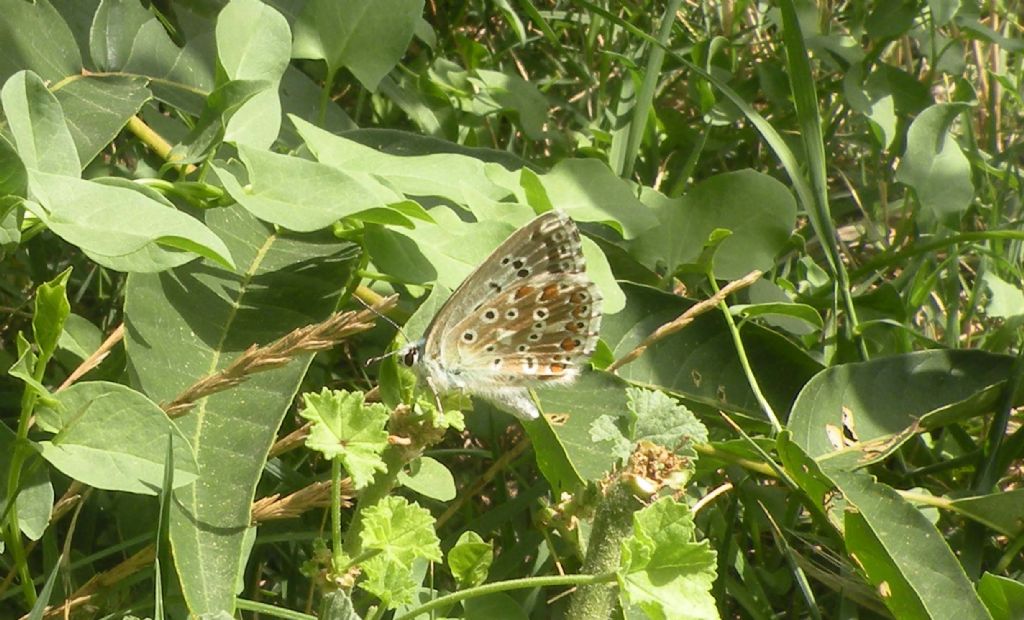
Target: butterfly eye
{"type": "Point", "coordinates": [411, 356]}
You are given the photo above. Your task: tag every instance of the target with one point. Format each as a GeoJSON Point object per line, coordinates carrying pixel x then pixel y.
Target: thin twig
{"type": "Point", "coordinates": [686, 318]}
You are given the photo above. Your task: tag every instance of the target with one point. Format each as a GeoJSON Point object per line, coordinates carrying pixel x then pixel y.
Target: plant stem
{"type": "Point", "coordinates": [337, 553]}
{"type": "Point", "coordinates": [504, 586]}
{"type": "Point", "coordinates": [741, 353]}
{"type": "Point", "coordinates": [612, 524]}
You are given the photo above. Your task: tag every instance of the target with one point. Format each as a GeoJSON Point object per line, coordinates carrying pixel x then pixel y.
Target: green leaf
{"type": "Point", "coordinates": [496, 605]}
{"type": "Point", "coordinates": [803, 312]}
{"type": "Point", "coordinates": [368, 37]}
{"type": "Point", "coordinates": [891, 540]}
{"type": "Point", "coordinates": [186, 324]}
{"type": "Point", "coordinates": [605, 428]}
{"type": "Point", "coordinates": [35, 36]}
{"type": "Point", "coordinates": [114, 27]}
{"type": "Point", "coordinates": [661, 420]}
{"type": "Point", "coordinates": [346, 428]}
{"type": "Point", "coordinates": [109, 220]}
{"type": "Point", "coordinates": [853, 414]}
{"type": "Point", "coordinates": [80, 337]}
{"type": "Point", "coordinates": [663, 571]}
{"type": "Point", "coordinates": [1003, 597]}
{"type": "Point", "coordinates": [337, 605]}
{"type": "Point", "coordinates": [470, 559]}
{"type": "Point", "coordinates": [51, 310]}
{"type": "Point", "coordinates": [37, 123]}
{"type": "Point", "coordinates": [943, 11]}
{"type": "Point", "coordinates": [430, 478]}
{"type": "Point", "coordinates": [35, 496]}
{"type": "Point", "coordinates": [758, 210]}
{"type": "Point", "coordinates": [505, 92]}
{"type": "Point", "coordinates": [97, 107]}
{"type": "Point", "coordinates": [299, 194]}
{"type": "Point", "coordinates": [1002, 511]}
{"type": "Point", "coordinates": [589, 191]}
{"type": "Point", "coordinates": [254, 43]}
{"type": "Point", "coordinates": [1005, 300]}
{"type": "Point", "coordinates": [699, 363]}
{"type": "Point", "coordinates": [24, 368]}
{"type": "Point", "coordinates": [389, 579]}
{"type": "Point", "coordinates": [402, 530]}
{"type": "Point", "coordinates": [934, 165]}
{"type": "Point", "coordinates": [111, 437]}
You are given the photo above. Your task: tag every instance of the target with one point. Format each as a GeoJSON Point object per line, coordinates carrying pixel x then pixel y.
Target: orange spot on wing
{"type": "Point", "coordinates": [568, 344]}
{"type": "Point", "coordinates": [523, 291]}
{"type": "Point", "coordinates": [550, 292]}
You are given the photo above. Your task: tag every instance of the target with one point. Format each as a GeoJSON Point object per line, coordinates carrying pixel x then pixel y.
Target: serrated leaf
{"type": "Point", "coordinates": [606, 428]}
{"type": "Point", "coordinates": [400, 529]}
{"type": "Point", "coordinates": [662, 420]}
{"type": "Point", "coordinates": [663, 570]}
{"type": "Point", "coordinates": [470, 559]}
{"type": "Point", "coordinates": [388, 579]}
{"type": "Point", "coordinates": [346, 428]}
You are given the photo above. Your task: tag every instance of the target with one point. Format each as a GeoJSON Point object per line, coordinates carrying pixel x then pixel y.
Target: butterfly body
{"type": "Point", "coordinates": [528, 316]}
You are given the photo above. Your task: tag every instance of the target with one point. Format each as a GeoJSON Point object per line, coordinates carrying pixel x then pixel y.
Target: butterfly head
{"type": "Point", "coordinates": [412, 353]}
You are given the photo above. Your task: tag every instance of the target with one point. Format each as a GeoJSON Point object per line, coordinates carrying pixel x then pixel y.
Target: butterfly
{"type": "Point", "coordinates": [528, 316]}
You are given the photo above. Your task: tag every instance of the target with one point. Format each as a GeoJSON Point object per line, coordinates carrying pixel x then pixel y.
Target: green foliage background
{"type": "Point", "coordinates": [835, 437]}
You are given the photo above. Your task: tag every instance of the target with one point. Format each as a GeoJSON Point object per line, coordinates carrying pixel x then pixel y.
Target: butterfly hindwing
{"type": "Point", "coordinates": [538, 332]}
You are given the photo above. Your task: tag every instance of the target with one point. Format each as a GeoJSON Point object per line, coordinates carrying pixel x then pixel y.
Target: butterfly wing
{"type": "Point", "coordinates": [547, 243]}
{"type": "Point", "coordinates": [527, 316]}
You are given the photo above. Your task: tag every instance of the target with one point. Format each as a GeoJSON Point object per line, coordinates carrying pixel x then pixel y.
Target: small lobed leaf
{"type": "Point", "coordinates": [346, 428]}
{"type": "Point", "coordinates": [662, 420]}
{"type": "Point", "coordinates": [663, 571]}
{"type": "Point", "coordinates": [400, 529]}
{"type": "Point", "coordinates": [388, 579]}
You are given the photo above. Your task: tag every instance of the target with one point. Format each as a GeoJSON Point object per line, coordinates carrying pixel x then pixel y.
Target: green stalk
{"type": "Point", "coordinates": [741, 353]}
{"type": "Point", "coordinates": [613, 523]}
{"type": "Point", "coordinates": [337, 552]}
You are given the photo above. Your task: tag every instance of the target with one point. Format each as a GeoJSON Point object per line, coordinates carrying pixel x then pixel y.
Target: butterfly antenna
{"type": "Point", "coordinates": [378, 358]}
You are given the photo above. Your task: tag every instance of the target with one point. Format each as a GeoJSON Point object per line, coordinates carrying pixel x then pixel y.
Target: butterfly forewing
{"type": "Point", "coordinates": [550, 243]}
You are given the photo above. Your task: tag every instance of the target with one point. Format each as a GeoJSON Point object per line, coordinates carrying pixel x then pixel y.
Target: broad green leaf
{"type": "Point", "coordinates": [758, 210]}
{"type": "Point", "coordinates": [254, 43]}
{"type": "Point", "coordinates": [934, 165]}
{"type": "Point", "coordinates": [1005, 300]}
{"type": "Point", "coordinates": [663, 570]}
{"type": "Point", "coordinates": [51, 310]}
{"type": "Point", "coordinates": [803, 312]}
{"type": "Point", "coordinates": [504, 92]}
{"type": "Point", "coordinates": [700, 363]}
{"type": "Point", "coordinates": [181, 76]}
{"type": "Point", "coordinates": [454, 176]}
{"type": "Point", "coordinates": [402, 530]}
{"type": "Point", "coordinates": [853, 414]}
{"type": "Point", "coordinates": [429, 478]}
{"type": "Point", "coordinates": [37, 124]}
{"type": "Point", "coordinates": [218, 109]}
{"type": "Point", "coordinates": [115, 25]}
{"type": "Point", "coordinates": [566, 451]}
{"type": "Point", "coordinates": [97, 107]}
{"type": "Point", "coordinates": [35, 498]}
{"type": "Point", "coordinates": [589, 191]}
{"type": "Point", "coordinates": [24, 367]}
{"type": "Point", "coordinates": [111, 437]}
{"type": "Point", "coordinates": [80, 337]}
{"type": "Point", "coordinates": [368, 37]}
{"type": "Point", "coordinates": [1003, 511]}
{"type": "Point", "coordinates": [110, 220]}
{"type": "Point", "coordinates": [470, 559]}
{"type": "Point", "coordinates": [1003, 597]}
{"type": "Point", "coordinates": [389, 579]}
{"type": "Point", "coordinates": [37, 38]}
{"type": "Point", "coordinates": [184, 325]}
{"type": "Point", "coordinates": [345, 428]}
{"type": "Point", "coordinates": [891, 540]}
{"type": "Point", "coordinates": [299, 194]}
